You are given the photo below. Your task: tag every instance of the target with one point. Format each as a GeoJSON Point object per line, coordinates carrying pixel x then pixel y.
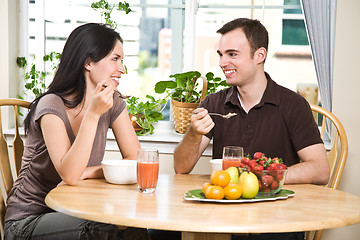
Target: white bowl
{"type": "Point", "coordinates": [120, 171]}
{"type": "Point", "coordinates": [216, 164]}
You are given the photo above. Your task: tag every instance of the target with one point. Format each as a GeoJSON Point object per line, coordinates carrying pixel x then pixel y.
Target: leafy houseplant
{"type": "Point", "coordinates": [106, 9]}
{"type": "Point", "coordinates": [35, 79]}
{"type": "Point", "coordinates": [183, 87]}
{"type": "Point", "coordinates": [144, 114]}
{"type": "Point", "coordinates": [185, 97]}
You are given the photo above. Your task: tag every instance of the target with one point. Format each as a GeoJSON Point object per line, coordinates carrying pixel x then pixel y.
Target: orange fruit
{"type": "Point", "coordinates": [214, 192]}
{"type": "Point", "coordinates": [205, 186]}
{"type": "Point", "coordinates": [220, 178]}
{"type": "Point", "coordinates": [232, 191]}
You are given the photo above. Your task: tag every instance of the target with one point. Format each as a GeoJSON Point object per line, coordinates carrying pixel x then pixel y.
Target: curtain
{"type": "Point", "coordinates": [320, 25]}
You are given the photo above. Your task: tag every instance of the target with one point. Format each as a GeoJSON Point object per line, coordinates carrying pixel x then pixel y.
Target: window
{"type": "Point", "coordinates": [168, 36]}
{"type": "Point", "coordinates": [294, 32]}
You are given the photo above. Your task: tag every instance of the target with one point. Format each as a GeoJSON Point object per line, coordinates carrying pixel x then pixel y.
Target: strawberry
{"type": "Point", "coordinates": [272, 166]}
{"type": "Point", "coordinates": [258, 170]}
{"type": "Point", "coordinates": [277, 160]}
{"type": "Point", "coordinates": [281, 166]}
{"type": "Point", "coordinates": [258, 155]}
{"type": "Point", "coordinates": [245, 160]}
{"type": "Point", "coordinates": [252, 163]}
{"type": "Point", "coordinates": [245, 167]}
{"type": "Point", "coordinates": [266, 181]}
{"type": "Point", "coordinates": [280, 174]}
{"type": "Point", "coordinates": [274, 185]}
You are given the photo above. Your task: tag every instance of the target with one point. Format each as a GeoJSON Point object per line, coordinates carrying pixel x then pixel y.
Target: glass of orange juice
{"type": "Point", "coordinates": [147, 170]}
{"type": "Point", "coordinates": [232, 156]}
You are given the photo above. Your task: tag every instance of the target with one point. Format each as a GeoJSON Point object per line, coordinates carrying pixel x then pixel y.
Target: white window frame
{"type": "Point", "coordinates": [295, 50]}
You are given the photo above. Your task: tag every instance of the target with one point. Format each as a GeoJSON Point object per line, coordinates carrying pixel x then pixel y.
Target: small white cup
{"type": "Point", "coordinates": [216, 164]}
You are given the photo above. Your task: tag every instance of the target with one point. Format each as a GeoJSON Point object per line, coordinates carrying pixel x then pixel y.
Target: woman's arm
{"type": "Point", "coordinates": [70, 161]}
{"type": "Point", "coordinates": [125, 135]}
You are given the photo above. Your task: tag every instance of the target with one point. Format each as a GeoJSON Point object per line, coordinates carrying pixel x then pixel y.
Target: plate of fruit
{"type": "Point", "coordinates": [198, 195]}
{"type": "Point", "coordinates": [256, 179]}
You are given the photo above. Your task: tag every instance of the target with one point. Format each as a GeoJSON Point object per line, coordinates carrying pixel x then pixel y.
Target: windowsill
{"type": "Point", "coordinates": [164, 138]}
{"type": "Point", "coordinates": [289, 51]}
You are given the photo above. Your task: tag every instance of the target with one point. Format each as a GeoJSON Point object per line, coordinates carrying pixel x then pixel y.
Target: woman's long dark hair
{"type": "Point", "coordinates": [88, 42]}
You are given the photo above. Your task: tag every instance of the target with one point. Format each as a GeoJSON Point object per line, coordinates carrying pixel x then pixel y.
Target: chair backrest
{"type": "Point", "coordinates": [7, 178]}
{"type": "Point", "coordinates": [337, 154]}
{"type": "Point", "coordinates": [333, 133]}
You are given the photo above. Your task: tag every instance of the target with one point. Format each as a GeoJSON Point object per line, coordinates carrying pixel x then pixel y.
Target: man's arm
{"type": "Point", "coordinates": [189, 150]}
{"type": "Point", "coordinates": [313, 168]}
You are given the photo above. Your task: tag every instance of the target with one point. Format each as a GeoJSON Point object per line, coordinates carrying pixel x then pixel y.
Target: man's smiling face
{"type": "Point", "coordinates": [236, 59]}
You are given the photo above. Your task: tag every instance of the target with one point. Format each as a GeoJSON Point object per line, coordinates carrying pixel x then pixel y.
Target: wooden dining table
{"type": "Point", "coordinates": [311, 208]}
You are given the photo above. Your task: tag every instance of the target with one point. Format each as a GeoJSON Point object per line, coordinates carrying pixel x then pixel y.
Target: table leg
{"type": "Point", "coordinates": [205, 236]}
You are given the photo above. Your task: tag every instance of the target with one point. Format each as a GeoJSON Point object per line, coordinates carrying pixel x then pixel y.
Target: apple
{"type": "Point", "coordinates": [249, 184]}
{"type": "Point", "coordinates": [234, 174]}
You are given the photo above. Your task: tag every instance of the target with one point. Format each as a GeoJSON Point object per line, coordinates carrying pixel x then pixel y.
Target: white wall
{"type": "Point", "coordinates": [4, 48]}
{"type": "Point", "coordinates": [346, 99]}
{"type": "Point", "coordinates": [9, 11]}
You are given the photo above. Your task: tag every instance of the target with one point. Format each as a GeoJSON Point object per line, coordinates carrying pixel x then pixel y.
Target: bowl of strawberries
{"type": "Point", "coordinates": [271, 172]}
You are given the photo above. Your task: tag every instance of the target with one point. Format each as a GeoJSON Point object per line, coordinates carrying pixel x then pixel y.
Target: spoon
{"type": "Point", "coordinates": [120, 94]}
{"type": "Point", "coordinates": [227, 116]}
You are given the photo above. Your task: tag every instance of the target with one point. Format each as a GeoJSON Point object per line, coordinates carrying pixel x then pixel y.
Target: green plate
{"type": "Point", "coordinates": [198, 195]}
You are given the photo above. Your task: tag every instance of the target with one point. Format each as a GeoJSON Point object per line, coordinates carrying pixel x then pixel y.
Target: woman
{"type": "Point", "coordinates": [66, 135]}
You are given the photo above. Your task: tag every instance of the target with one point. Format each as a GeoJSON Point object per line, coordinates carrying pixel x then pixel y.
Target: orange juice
{"type": "Point", "coordinates": [231, 162]}
{"type": "Point", "coordinates": [147, 174]}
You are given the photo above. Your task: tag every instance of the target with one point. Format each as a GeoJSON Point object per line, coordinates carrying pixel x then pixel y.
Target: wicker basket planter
{"type": "Point", "coordinates": [182, 111]}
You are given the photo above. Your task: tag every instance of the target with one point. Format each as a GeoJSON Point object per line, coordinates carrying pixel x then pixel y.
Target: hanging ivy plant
{"type": "Point", "coordinates": [106, 9]}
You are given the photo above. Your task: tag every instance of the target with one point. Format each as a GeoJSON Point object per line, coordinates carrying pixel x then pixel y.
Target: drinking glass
{"type": "Point", "coordinates": [232, 156]}
{"type": "Point", "coordinates": [147, 170]}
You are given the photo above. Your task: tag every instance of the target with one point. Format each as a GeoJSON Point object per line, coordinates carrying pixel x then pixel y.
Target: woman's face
{"type": "Point", "coordinates": [110, 68]}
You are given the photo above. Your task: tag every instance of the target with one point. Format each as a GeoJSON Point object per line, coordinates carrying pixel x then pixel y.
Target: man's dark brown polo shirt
{"type": "Point", "coordinates": [279, 126]}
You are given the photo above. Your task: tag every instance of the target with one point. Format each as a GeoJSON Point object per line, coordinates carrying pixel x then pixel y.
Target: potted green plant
{"type": "Point", "coordinates": [144, 113]}
{"type": "Point", "coordinates": [34, 78]}
{"type": "Point", "coordinates": [186, 96]}
{"type": "Point", "coordinates": [106, 9]}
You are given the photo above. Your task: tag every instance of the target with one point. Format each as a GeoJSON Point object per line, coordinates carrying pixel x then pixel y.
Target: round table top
{"type": "Point", "coordinates": [311, 208]}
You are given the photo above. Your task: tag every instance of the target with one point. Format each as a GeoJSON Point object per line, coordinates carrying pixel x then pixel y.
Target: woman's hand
{"type": "Point", "coordinates": [102, 100]}
{"type": "Point", "coordinates": [92, 172]}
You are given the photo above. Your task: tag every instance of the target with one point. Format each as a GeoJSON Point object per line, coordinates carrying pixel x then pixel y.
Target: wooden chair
{"type": "Point", "coordinates": [7, 178]}
{"type": "Point", "coordinates": [337, 154]}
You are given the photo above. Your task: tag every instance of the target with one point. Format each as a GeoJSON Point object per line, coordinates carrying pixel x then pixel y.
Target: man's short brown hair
{"type": "Point", "coordinates": [255, 32]}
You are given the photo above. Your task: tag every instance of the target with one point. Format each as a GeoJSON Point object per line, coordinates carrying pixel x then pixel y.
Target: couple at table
{"type": "Point", "coordinates": [67, 125]}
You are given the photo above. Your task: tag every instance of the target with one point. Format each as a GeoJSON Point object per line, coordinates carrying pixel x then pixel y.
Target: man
{"type": "Point", "coordinates": [270, 118]}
